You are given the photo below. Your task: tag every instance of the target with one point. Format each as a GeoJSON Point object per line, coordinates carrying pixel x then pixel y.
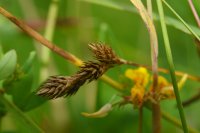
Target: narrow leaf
{"type": "Point", "coordinates": [28, 63]}
{"type": "Point", "coordinates": [8, 64]}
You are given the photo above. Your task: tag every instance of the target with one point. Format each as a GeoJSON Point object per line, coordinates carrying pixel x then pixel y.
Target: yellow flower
{"type": "Point", "coordinates": [137, 94]}
{"type": "Point", "coordinates": [140, 77]}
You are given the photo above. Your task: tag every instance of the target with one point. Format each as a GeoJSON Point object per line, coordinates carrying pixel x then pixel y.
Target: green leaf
{"type": "Point", "coordinates": [33, 101]}
{"type": "Point", "coordinates": [7, 64]}
{"type": "Point", "coordinates": [29, 62]}
{"type": "Point", "coordinates": [21, 93]}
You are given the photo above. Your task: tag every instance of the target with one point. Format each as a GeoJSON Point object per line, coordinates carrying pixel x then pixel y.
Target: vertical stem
{"type": "Point", "coordinates": [156, 113]}
{"type": "Point", "coordinates": [194, 12]}
{"type": "Point", "coordinates": [140, 119]}
{"type": "Point", "coordinates": [49, 30]}
{"type": "Point", "coordinates": [149, 8]}
{"type": "Point", "coordinates": [171, 65]}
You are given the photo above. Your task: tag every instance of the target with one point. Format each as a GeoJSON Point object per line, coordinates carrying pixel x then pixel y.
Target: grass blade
{"type": "Point", "coordinates": [171, 65]}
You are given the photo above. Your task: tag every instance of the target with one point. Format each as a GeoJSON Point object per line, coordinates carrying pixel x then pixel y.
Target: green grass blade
{"type": "Point", "coordinates": [186, 25]}
{"type": "Point", "coordinates": [171, 66]}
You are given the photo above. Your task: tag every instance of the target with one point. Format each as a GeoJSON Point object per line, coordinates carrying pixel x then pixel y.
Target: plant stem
{"type": "Point", "coordinates": [149, 8]}
{"type": "Point", "coordinates": [160, 69]}
{"type": "Point", "coordinates": [49, 31]}
{"type": "Point", "coordinates": [194, 12]}
{"type": "Point", "coordinates": [186, 25]}
{"type": "Point", "coordinates": [191, 100]}
{"type": "Point", "coordinates": [140, 119]}
{"type": "Point", "coordinates": [17, 112]}
{"type": "Point", "coordinates": [171, 65]}
{"type": "Point", "coordinates": [40, 38]}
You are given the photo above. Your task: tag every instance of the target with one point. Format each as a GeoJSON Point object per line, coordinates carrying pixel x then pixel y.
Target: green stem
{"type": "Point", "coordinates": [17, 112]}
{"type": "Point", "coordinates": [149, 8]}
{"type": "Point", "coordinates": [186, 25]}
{"type": "Point", "coordinates": [49, 30]}
{"type": "Point", "coordinates": [171, 65]}
{"type": "Point", "coordinates": [140, 120]}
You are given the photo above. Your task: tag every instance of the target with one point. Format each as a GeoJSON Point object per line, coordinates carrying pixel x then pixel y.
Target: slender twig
{"type": "Point", "coordinates": [163, 70]}
{"type": "Point", "coordinates": [194, 12]}
{"type": "Point", "coordinates": [171, 65]}
{"type": "Point", "coordinates": [17, 112]}
{"type": "Point", "coordinates": [66, 55]}
{"type": "Point", "coordinates": [193, 99]}
{"type": "Point", "coordinates": [178, 16]}
{"type": "Point", "coordinates": [40, 38]}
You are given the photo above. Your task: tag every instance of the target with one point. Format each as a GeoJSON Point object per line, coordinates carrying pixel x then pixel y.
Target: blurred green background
{"type": "Point", "coordinates": [79, 23]}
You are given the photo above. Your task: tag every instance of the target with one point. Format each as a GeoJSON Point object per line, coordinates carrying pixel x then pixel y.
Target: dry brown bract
{"type": "Point", "coordinates": [58, 86]}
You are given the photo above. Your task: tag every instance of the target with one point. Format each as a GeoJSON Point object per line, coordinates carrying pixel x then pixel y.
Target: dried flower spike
{"type": "Point", "coordinates": [58, 86]}
{"type": "Point", "coordinates": [104, 54]}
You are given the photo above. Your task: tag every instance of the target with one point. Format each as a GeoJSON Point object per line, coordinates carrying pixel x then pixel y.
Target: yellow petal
{"type": "Point", "coordinates": [162, 82]}
{"type": "Point", "coordinates": [137, 94]}
{"type": "Point", "coordinates": [182, 81]}
{"type": "Point", "coordinates": [139, 76]}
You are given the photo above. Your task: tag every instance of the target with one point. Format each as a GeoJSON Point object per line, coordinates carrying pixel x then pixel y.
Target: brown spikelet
{"type": "Point", "coordinates": [104, 54]}
{"type": "Point", "coordinates": [58, 86]}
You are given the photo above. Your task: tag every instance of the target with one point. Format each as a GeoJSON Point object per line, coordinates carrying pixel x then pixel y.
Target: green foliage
{"type": "Point", "coordinates": [114, 22]}
{"type": "Point", "coordinates": [8, 64]}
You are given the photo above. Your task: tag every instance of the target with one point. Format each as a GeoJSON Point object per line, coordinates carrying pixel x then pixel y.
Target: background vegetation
{"type": "Point", "coordinates": [78, 23]}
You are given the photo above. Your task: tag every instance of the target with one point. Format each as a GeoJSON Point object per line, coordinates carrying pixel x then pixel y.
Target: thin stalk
{"type": "Point", "coordinates": [160, 69]}
{"type": "Point", "coordinates": [39, 37]}
{"type": "Point", "coordinates": [178, 16]}
{"type": "Point", "coordinates": [171, 65]}
{"type": "Point", "coordinates": [156, 114]}
{"type": "Point", "coordinates": [194, 12]}
{"type": "Point", "coordinates": [17, 112]}
{"type": "Point", "coordinates": [193, 99]}
{"type": "Point", "coordinates": [149, 8]}
{"type": "Point", "coordinates": [140, 119]}
{"type": "Point", "coordinates": [49, 31]}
